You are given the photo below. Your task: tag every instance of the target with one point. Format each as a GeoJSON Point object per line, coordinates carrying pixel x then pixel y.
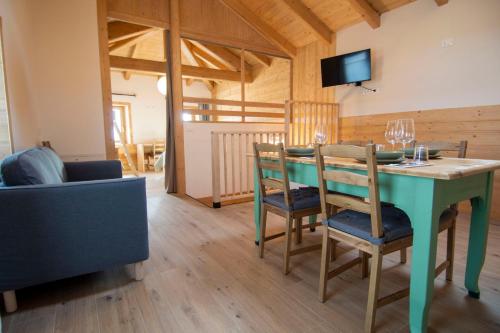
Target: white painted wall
{"type": "Point", "coordinates": [410, 68]}
{"type": "Point", "coordinates": [198, 152]}
{"type": "Point", "coordinates": [148, 106]}
{"type": "Point", "coordinates": [52, 65]}
{"type": "Point", "coordinates": [18, 50]}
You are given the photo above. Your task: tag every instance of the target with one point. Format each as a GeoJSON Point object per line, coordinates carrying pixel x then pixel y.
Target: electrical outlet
{"type": "Point", "coordinates": [447, 42]}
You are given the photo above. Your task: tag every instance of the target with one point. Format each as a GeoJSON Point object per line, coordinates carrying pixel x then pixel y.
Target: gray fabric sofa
{"type": "Point", "coordinates": [59, 220]}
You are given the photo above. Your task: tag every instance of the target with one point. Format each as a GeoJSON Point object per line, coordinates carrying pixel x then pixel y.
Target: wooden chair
{"type": "Point", "coordinates": [293, 205]}
{"type": "Point", "coordinates": [448, 218]}
{"type": "Point", "coordinates": [371, 228]}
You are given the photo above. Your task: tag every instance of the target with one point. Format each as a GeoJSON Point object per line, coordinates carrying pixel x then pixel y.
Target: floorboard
{"type": "Point", "coordinates": [204, 275]}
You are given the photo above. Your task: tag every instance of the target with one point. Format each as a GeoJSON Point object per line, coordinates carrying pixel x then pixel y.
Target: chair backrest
{"type": "Point", "coordinates": [263, 150]}
{"type": "Point", "coordinates": [331, 201]}
{"type": "Point", "coordinates": [459, 147]}
{"type": "Point", "coordinates": [359, 143]}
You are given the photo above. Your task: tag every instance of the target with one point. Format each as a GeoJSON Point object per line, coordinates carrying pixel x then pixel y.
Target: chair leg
{"type": "Point", "coordinates": [450, 249]}
{"type": "Point", "coordinates": [298, 230]}
{"type": "Point", "coordinates": [9, 298]}
{"type": "Point", "coordinates": [262, 240]}
{"type": "Point", "coordinates": [288, 244]}
{"type": "Point", "coordinates": [323, 275]}
{"type": "Point", "coordinates": [364, 264]}
{"type": "Point", "coordinates": [403, 255]}
{"type": "Point", "coordinates": [375, 273]}
{"type": "Point", "coordinates": [333, 249]}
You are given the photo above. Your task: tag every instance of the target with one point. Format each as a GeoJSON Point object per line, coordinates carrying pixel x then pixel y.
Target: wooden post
{"type": "Point", "coordinates": [107, 105]}
{"type": "Point", "coordinates": [215, 171]}
{"type": "Point", "coordinates": [242, 61]}
{"type": "Point", "coordinates": [175, 56]}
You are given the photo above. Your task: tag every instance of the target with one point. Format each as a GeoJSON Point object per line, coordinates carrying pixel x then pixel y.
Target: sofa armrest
{"type": "Point", "coordinates": [50, 232]}
{"type": "Point", "coordinates": [93, 170]}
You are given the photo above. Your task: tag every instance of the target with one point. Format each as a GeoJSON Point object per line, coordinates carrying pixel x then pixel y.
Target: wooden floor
{"type": "Point", "coordinates": [204, 276]}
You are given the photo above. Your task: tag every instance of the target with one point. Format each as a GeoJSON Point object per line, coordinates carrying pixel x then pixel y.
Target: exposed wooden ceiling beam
{"type": "Point", "coordinates": [131, 41]}
{"type": "Point", "coordinates": [159, 68]}
{"type": "Point", "coordinates": [441, 2]}
{"type": "Point", "coordinates": [207, 57]}
{"type": "Point", "coordinates": [118, 30]}
{"type": "Point", "coordinates": [214, 74]}
{"type": "Point", "coordinates": [260, 26]}
{"type": "Point", "coordinates": [229, 59]}
{"type": "Point", "coordinates": [317, 26]}
{"type": "Point", "coordinates": [132, 53]}
{"type": "Point", "coordinates": [369, 14]}
{"type": "Point", "coordinates": [262, 59]}
{"type": "Point", "coordinates": [193, 61]}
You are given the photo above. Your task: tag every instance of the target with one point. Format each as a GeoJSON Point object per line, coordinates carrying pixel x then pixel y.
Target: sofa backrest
{"type": "Point", "coordinates": [33, 166]}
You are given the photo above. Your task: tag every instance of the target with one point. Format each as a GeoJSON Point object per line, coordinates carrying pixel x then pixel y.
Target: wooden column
{"type": "Point", "coordinates": [242, 61]}
{"type": "Point", "coordinates": [107, 104]}
{"type": "Point", "coordinates": [175, 56]}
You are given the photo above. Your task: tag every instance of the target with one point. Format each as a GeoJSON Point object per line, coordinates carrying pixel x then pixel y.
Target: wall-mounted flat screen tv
{"type": "Point", "coordinates": [347, 68]}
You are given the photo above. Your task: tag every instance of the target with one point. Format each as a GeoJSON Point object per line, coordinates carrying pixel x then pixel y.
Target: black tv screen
{"type": "Point", "coordinates": [346, 68]}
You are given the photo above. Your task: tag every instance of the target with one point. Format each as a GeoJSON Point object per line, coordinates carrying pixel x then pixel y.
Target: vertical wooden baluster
{"type": "Point", "coordinates": [311, 129]}
{"type": "Point", "coordinates": [215, 168]}
{"type": "Point", "coordinates": [291, 139]}
{"type": "Point", "coordinates": [240, 163]}
{"type": "Point", "coordinates": [299, 122]}
{"type": "Point", "coordinates": [337, 124]}
{"type": "Point", "coordinates": [224, 148]}
{"type": "Point", "coordinates": [233, 190]}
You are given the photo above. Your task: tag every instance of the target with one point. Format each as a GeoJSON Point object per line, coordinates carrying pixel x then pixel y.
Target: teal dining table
{"type": "Point", "coordinates": [423, 193]}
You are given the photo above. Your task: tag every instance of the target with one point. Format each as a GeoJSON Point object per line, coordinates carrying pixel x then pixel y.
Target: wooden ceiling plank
{"type": "Point", "coordinates": [316, 25]}
{"type": "Point", "coordinates": [370, 15]}
{"type": "Point", "coordinates": [260, 26]}
{"type": "Point", "coordinates": [441, 2]}
{"type": "Point", "coordinates": [158, 68]}
{"type": "Point", "coordinates": [129, 42]}
{"type": "Point", "coordinates": [119, 30]}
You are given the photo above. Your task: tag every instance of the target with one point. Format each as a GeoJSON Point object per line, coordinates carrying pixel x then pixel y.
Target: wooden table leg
{"type": "Point", "coordinates": [425, 221]}
{"type": "Point", "coordinates": [9, 298]}
{"type": "Point", "coordinates": [478, 237]}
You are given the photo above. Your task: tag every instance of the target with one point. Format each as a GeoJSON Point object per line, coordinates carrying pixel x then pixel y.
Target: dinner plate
{"type": "Point", "coordinates": [383, 161]}
{"type": "Point", "coordinates": [409, 152]}
{"type": "Point", "coordinates": [388, 155]}
{"type": "Point", "coordinates": [300, 151]}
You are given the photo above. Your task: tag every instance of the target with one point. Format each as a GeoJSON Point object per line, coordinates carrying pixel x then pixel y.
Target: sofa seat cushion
{"type": "Point", "coordinates": [302, 198]}
{"type": "Point", "coordinates": [32, 167]}
{"type": "Point", "coordinates": [395, 222]}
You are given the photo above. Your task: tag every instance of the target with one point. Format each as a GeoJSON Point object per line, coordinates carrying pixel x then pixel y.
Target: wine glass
{"type": "Point", "coordinates": [405, 131]}
{"type": "Point", "coordinates": [390, 132]}
{"type": "Point", "coordinates": [320, 134]}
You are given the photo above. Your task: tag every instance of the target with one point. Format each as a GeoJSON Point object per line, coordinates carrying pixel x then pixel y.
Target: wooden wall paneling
{"type": "Point", "coordinates": [153, 13]}
{"type": "Point", "coordinates": [175, 56]}
{"type": "Point", "coordinates": [480, 126]}
{"type": "Point", "coordinates": [270, 84]}
{"type": "Point", "coordinates": [307, 72]}
{"type": "Point", "coordinates": [211, 21]}
{"type": "Point", "coordinates": [107, 104]}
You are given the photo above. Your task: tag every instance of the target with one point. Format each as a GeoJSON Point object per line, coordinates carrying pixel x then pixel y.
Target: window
{"type": "Point", "coordinates": [122, 124]}
{"type": "Point", "coordinates": [5, 135]}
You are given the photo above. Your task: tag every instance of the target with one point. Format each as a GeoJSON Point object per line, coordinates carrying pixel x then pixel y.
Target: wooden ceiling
{"type": "Point", "coordinates": [287, 24]}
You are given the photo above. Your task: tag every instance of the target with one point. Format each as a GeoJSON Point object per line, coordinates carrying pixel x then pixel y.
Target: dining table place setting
{"type": "Point", "coordinates": [419, 179]}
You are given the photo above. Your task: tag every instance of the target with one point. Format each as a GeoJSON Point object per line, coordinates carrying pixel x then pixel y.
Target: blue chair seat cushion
{"type": "Point", "coordinates": [33, 167]}
{"type": "Point", "coordinates": [302, 198]}
{"type": "Point", "coordinates": [395, 222]}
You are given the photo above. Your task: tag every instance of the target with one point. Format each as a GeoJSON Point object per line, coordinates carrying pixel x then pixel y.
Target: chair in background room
{"type": "Point", "coordinates": [292, 204]}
